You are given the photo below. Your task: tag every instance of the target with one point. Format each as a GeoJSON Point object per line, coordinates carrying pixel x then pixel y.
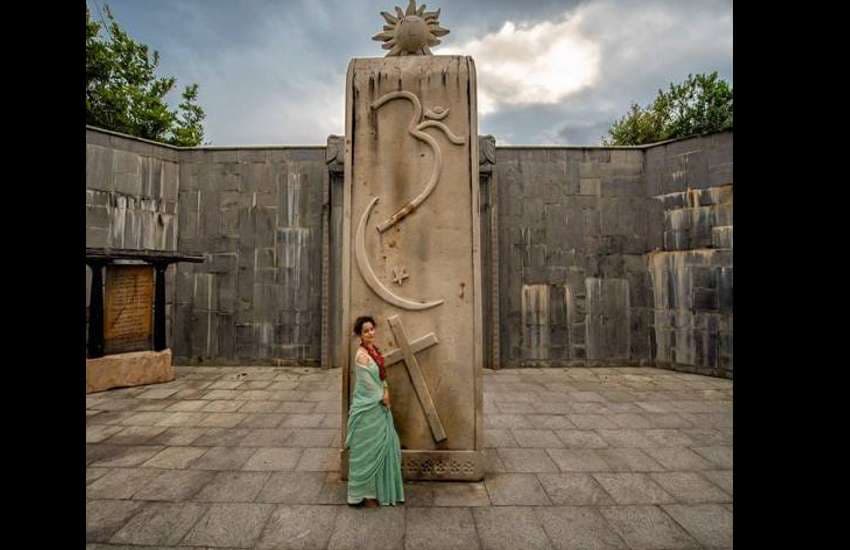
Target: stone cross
{"type": "Point", "coordinates": [399, 275]}
{"type": "Point", "coordinates": [406, 353]}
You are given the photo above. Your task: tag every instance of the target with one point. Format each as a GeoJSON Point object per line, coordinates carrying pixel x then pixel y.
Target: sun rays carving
{"type": "Point", "coordinates": [411, 32]}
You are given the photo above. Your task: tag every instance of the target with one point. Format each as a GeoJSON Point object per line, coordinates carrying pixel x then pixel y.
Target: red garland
{"type": "Point", "coordinates": [379, 359]}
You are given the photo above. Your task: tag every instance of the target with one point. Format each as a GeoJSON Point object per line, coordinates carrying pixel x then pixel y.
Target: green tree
{"type": "Point", "coordinates": [124, 93]}
{"type": "Point", "coordinates": [700, 105]}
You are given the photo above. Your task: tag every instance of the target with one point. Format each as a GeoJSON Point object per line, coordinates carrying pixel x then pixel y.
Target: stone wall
{"type": "Point", "coordinates": [617, 255]}
{"type": "Point", "coordinates": [692, 272]}
{"type": "Point", "coordinates": [574, 228]}
{"type": "Point", "coordinates": [132, 188]}
{"type": "Point", "coordinates": [257, 215]}
{"type": "Point", "coordinates": [596, 256]}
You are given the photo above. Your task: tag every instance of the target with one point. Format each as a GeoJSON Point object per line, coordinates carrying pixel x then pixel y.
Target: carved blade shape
{"type": "Point", "coordinates": [368, 273]}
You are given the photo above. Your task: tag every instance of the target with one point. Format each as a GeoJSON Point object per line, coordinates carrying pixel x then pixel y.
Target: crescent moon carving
{"type": "Point", "coordinates": [368, 273]}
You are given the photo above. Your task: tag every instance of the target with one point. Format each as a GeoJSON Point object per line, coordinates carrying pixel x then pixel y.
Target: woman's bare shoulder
{"type": "Point", "coordinates": [361, 358]}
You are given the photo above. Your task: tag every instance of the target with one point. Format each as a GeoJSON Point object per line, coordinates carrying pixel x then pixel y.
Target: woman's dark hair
{"type": "Point", "coordinates": [358, 324]}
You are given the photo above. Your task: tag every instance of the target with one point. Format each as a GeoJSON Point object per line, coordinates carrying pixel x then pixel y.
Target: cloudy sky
{"type": "Point", "coordinates": [549, 71]}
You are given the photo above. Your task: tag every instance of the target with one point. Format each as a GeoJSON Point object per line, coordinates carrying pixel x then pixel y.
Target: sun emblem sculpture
{"type": "Point", "coordinates": [411, 32]}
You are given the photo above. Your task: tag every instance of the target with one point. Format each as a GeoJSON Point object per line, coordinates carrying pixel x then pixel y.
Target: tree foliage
{"type": "Point", "coordinates": [124, 93]}
{"type": "Point", "coordinates": [700, 105]}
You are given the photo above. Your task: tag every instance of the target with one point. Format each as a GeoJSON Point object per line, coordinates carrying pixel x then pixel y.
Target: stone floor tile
{"type": "Point", "coordinates": [668, 437]}
{"type": "Point", "coordinates": [704, 437]}
{"type": "Point", "coordinates": [690, 487]}
{"type": "Point", "coordinates": [222, 406]}
{"type": "Point", "coordinates": [578, 528]}
{"type": "Point", "coordinates": [629, 460]}
{"type": "Point", "coordinates": [259, 407]}
{"type": "Point", "coordinates": [666, 420]}
{"type": "Point", "coordinates": [95, 473]}
{"type": "Point", "coordinates": [157, 393]}
{"type": "Point", "coordinates": [550, 422]}
{"type": "Point", "coordinates": [159, 524]}
{"type": "Point", "coordinates": [720, 456]}
{"type": "Point", "coordinates": [125, 456]}
{"type": "Point", "coordinates": [630, 420]}
{"type": "Point", "coordinates": [273, 459]}
{"type": "Point", "coordinates": [223, 458]}
{"type": "Point", "coordinates": [710, 524]}
{"type": "Point", "coordinates": [590, 407]}
{"type": "Point", "coordinates": [177, 458]}
{"type": "Point", "coordinates": [592, 421]}
{"type": "Point", "coordinates": [499, 438]}
{"type": "Point", "coordinates": [99, 432]}
{"type": "Point", "coordinates": [537, 438]}
{"type": "Point", "coordinates": [516, 490]}
{"type": "Point", "coordinates": [377, 529]}
{"type": "Point", "coordinates": [633, 488]}
{"type": "Point", "coordinates": [505, 421]}
{"type": "Point", "coordinates": [174, 485]}
{"type": "Point", "coordinates": [222, 437]}
{"type": "Point", "coordinates": [182, 419]}
{"type": "Point", "coordinates": [135, 435]}
{"type": "Point", "coordinates": [578, 460]}
{"type": "Point", "coordinates": [178, 436]}
{"type": "Point", "coordinates": [647, 528]}
{"type": "Point", "coordinates": [298, 528]}
{"type": "Point", "coordinates": [679, 459]}
{"type": "Point", "coordinates": [721, 478]}
{"type": "Point", "coordinates": [322, 459]}
{"type": "Point", "coordinates": [553, 407]}
{"type": "Point", "coordinates": [460, 494]}
{"type": "Point", "coordinates": [510, 528]}
{"type": "Point", "coordinates": [230, 525]}
{"type": "Point", "coordinates": [440, 529]}
{"type": "Point", "coordinates": [263, 437]}
{"type": "Point", "coordinates": [514, 407]}
{"type": "Point", "coordinates": [581, 439]}
{"type": "Point", "coordinates": [334, 490]}
{"type": "Point", "coordinates": [146, 418]}
{"type": "Point", "coordinates": [302, 420]}
{"type": "Point", "coordinates": [319, 437]}
{"type": "Point", "coordinates": [574, 489]}
{"type": "Point", "coordinates": [120, 483]}
{"type": "Point", "coordinates": [418, 493]}
{"type": "Point", "coordinates": [261, 420]}
{"type": "Point", "coordinates": [492, 462]}
{"type": "Point", "coordinates": [527, 460]}
{"type": "Point", "coordinates": [625, 437]}
{"type": "Point", "coordinates": [292, 488]}
{"type": "Point", "coordinates": [221, 420]}
{"type": "Point", "coordinates": [187, 405]}
{"type": "Point", "coordinates": [233, 487]}
{"type": "Point", "coordinates": [105, 517]}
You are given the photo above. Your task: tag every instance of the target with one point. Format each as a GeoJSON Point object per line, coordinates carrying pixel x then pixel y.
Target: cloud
{"type": "Point", "coordinates": [528, 64]}
{"type": "Point", "coordinates": [549, 72]}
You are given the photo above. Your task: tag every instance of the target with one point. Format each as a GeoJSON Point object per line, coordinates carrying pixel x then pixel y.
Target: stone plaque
{"type": "Point", "coordinates": [128, 308]}
{"type": "Point", "coordinates": [411, 254]}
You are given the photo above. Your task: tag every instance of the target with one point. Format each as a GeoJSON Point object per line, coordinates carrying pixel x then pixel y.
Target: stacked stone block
{"type": "Point", "coordinates": [256, 214]}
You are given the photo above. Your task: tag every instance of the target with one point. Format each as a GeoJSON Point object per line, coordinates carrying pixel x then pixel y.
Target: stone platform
{"type": "Point", "coordinates": [229, 457]}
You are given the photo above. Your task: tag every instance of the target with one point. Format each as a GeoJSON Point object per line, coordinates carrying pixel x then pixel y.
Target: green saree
{"type": "Point", "coordinates": [374, 459]}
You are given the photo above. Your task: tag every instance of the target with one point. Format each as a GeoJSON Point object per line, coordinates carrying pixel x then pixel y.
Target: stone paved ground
{"type": "Point", "coordinates": [577, 458]}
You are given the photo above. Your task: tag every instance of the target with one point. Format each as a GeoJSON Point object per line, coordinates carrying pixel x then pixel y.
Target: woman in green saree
{"type": "Point", "coordinates": [374, 459]}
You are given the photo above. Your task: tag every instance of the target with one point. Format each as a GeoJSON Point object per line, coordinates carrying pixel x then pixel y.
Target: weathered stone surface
{"type": "Point", "coordinates": [361, 528]}
{"type": "Point", "coordinates": [230, 525]}
{"type": "Point", "coordinates": [510, 527]}
{"type": "Point", "coordinates": [128, 369]}
{"type": "Point", "coordinates": [159, 524]}
{"type": "Point", "coordinates": [174, 486]}
{"type": "Point", "coordinates": [647, 527]}
{"type": "Point", "coordinates": [572, 520]}
{"type": "Point", "coordinates": [387, 163]}
{"type": "Point", "coordinates": [105, 517]}
{"type": "Point", "coordinates": [710, 524]}
{"type": "Point", "coordinates": [574, 489]}
{"type": "Point", "coordinates": [516, 490]}
{"type": "Point", "coordinates": [574, 527]}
